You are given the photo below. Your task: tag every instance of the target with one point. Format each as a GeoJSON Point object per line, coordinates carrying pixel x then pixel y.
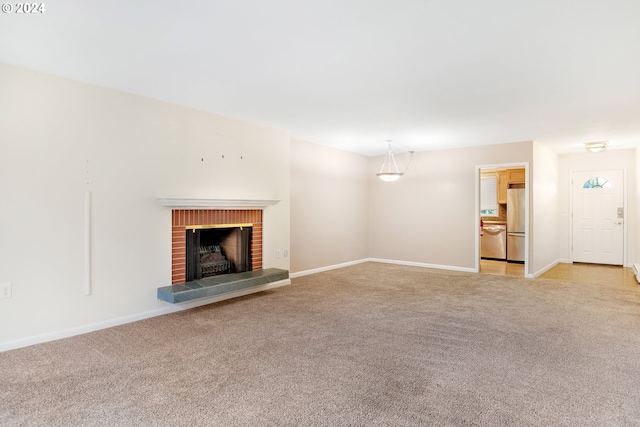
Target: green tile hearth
{"type": "Point", "coordinates": [221, 284]}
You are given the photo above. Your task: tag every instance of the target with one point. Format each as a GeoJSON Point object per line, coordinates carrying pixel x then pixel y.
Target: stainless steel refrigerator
{"type": "Point", "coordinates": [516, 207]}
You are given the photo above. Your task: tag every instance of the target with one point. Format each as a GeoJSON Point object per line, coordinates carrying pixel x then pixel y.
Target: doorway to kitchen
{"type": "Point", "coordinates": [502, 219]}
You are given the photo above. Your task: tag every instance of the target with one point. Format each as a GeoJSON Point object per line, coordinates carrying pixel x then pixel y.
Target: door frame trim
{"type": "Point", "coordinates": [624, 205]}
{"type": "Point", "coordinates": [527, 195]}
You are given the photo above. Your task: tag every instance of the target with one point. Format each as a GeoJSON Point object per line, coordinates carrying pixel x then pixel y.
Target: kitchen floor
{"type": "Point", "coordinates": [575, 272]}
{"type": "Point", "coordinates": [501, 267]}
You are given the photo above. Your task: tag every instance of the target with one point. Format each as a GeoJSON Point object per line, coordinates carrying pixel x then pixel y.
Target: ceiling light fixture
{"type": "Point", "coordinates": [389, 170]}
{"type": "Point", "coordinates": [595, 147]}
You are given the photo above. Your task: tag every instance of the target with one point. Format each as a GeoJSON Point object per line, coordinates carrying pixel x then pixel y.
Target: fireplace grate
{"type": "Point", "coordinates": [212, 261]}
{"type": "Point", "coordinates": [217, 250]}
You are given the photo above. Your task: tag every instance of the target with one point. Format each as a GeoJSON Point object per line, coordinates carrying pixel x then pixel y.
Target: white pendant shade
{"type": "Point", "coordinates": [389, 176]}
{"type": "Point", "coordinates": [389, 171]}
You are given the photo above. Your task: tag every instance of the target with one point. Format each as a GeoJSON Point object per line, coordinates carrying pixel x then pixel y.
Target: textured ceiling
{"type": "Point", "coordinates": [353, 74]}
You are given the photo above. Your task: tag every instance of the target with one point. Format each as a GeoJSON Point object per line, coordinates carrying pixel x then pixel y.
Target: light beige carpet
{"type": "Point", "coordinates": [367, 345]}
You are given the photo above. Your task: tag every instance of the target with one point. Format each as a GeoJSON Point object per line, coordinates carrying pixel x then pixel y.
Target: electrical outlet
{"type": "Point", "coordinates": [277, 253]}
{"type": "Point", "coordinates": [5, 290]}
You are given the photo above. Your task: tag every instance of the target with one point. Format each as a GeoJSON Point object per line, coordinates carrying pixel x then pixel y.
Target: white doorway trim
{"type": "Point", "coordinates": [626, 218]}
{"type": "Point", "coordinates": [527, 178]}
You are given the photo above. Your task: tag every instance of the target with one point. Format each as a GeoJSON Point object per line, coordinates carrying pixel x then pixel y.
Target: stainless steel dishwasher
{"type": "Point", "coordinates": [493, 242]}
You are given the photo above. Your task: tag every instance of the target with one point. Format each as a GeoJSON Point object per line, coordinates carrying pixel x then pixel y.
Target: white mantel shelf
{"type": "Point", "coordinates": [185, 203]}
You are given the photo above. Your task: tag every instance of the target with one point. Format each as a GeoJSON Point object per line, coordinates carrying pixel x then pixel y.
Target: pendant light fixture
{"type": "Point", "coordinates": [389, 170]}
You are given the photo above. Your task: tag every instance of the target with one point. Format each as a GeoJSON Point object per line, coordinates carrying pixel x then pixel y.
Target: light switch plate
{"type": "Point", "coordinates": [5, 290]}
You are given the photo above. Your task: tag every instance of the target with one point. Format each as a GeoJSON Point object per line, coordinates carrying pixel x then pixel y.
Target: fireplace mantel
{"type": "Point", "coordinates": [190, 203]}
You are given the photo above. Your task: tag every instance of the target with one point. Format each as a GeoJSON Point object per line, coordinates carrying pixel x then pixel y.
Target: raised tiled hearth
{"type": "Point", "coordinates": [214, 285]}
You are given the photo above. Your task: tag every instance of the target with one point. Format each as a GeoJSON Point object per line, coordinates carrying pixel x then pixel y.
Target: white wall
{"type": "Point", "coordinates": [585, 161]}
{"type": "Point", "coordinates": [428, 216]}
{"type": "Point", "coordinates": [545, 209]}
{"type": "Point", "coordinates": [635, 257]}
{"type": "Point", "coordinates": [60, 138]}
{"type": "Point", "coordinates": [329, 207]}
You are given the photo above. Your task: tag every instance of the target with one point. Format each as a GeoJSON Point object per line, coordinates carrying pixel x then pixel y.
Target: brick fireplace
{"type": "Point", "coordinates": [181, 219]}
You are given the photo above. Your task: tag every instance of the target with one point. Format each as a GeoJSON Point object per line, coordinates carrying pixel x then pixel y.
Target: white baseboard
{"type": "Point", "coordinates": [168, 309]}
{"type": "Point", "coordinates": [327, 268]}
{"type": "Point", "coordinates": [636, 270]}
{"type": "Point", "coordinates": [545, 269]}
{"type": "Point", "coordinates": [384, 261]}
{"type": "Point", "coordinates": [425, 265]}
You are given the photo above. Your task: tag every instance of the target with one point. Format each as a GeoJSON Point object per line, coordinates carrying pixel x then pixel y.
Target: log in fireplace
{"type": "Point", "coordinates": [217, 249]}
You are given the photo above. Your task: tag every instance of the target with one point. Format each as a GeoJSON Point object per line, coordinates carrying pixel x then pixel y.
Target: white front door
{"type": "Point", "coordinates": [598, 217]}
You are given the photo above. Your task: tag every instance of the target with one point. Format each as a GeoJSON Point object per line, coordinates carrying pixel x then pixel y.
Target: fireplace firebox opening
{"type": "Point", "coordinates": [217, 249]}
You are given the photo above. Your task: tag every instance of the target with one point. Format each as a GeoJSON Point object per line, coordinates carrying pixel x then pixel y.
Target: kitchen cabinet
{"type": "Point", "coordinates": [506, 177]}
{"type": "Point", "coordinates": [515, 176]}
{"type": "Point", "coordinates": [502, 186]}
